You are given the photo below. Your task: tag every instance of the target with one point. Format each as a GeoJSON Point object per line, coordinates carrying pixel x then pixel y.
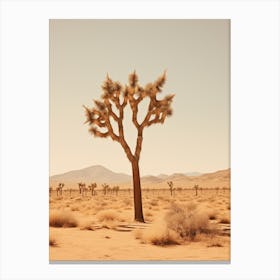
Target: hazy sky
{"type": "Point", "coordinates": [196, 54]}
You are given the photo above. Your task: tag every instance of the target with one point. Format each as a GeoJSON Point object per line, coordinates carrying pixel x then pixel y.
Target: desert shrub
{"type": "Point", "coordinates": [181, 223]}
{"type": "Point", "coordinates": [225, 220]}
{"type": "Point", "coordinates": [212, 215]}
{"type": "Point", "coordinates": [154, 202]}
{"type": "Point", "coordinates": [215, 244]}
{"type": "Point", "coordinates": [52, 242]}
{"type": "Point", "coordinates": [62, 219]}
{"type": "Point", "coordinates": [87, 225]}
{"type": "Point", "coordinates": [148, 214]}
{"type": "Point", "coordinates": [109, 218]}
{"type": "Point", "coordinates": [187, 221]}
{"type": "Point", "coordinates": [75, 208]}
{"type": "Point", "coordinates": [158, 234]}
{"type": "Point", "coordinates": [108, 215]}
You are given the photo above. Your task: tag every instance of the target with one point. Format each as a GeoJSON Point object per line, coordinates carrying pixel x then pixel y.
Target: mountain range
{"type": "Point", "coordinates": [100, 174]}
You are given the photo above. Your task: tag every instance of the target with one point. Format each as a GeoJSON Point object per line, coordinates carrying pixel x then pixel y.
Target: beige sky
{"type": "Point", "coordinates": [196, 54]}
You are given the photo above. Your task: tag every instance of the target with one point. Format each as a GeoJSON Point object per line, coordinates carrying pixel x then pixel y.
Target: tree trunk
{"type": "Point", "coordinates": [138, 212]}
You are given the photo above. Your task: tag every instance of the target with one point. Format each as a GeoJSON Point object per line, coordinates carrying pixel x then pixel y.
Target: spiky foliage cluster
{"type": "Point", "coordinates": [92, 188]}
{"type": "Point", "coordinates": [59, 188]}
{"type": "Point", "coordinates": [82, 188]}
{"type": "Point", "coordinates": [111, 107]}
{"type": "Point", "coordinates": [105, 188]}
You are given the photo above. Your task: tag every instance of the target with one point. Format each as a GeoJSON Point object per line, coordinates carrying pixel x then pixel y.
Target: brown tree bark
{"type": "Point", "coordinates": [138, 211]}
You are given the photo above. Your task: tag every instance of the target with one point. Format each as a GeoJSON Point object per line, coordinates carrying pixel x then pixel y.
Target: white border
{"type": "Point", "coordinates": [254, 138]}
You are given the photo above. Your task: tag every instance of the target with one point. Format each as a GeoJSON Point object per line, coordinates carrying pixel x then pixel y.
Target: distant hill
{"type": "Point", "coordinates": [100, 174]}
{"type": "Point", "coordinates": [96, 173]}
{"type": "Point", "coordinates": [193, 174]}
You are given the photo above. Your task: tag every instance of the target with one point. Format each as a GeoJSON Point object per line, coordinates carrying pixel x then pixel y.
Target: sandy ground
{"type": "Point", "coordinates": [118, 237]}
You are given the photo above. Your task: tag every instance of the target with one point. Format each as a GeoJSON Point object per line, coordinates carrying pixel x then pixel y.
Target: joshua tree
{"type": "Point", "coordinates": [59, 189]}
{"type": "Point", "coordinates": [111, 108]}
{"type": "Point", "coordinates": [171, 188]}
{"type": "Point", "coordinates": [92, 188]}
{"type": "Point", "coordinates": [105, 188]}
{"type": "Point", "coordinates": [109, 190]}
{"type": "Point", "coordinates": [217, 189]}
{"type": "Point", "coordinates": [50, 191]}
{"type": "Point", "coordinates": [116, 189]}
{"type": "Point", "coordinates": [196, 188]}
{"type": "Point", "coordinates": [82, 188]}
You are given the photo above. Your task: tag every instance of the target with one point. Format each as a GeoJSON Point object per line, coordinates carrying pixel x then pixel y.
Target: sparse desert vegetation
{"type": "Point", "coordinates": [100, 225]}
{"type": "Point", "coordinates": [62, 219]}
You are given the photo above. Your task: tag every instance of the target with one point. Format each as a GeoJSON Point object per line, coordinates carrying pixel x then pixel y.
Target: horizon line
{"type": "Point", "coordinates": [149, 174]}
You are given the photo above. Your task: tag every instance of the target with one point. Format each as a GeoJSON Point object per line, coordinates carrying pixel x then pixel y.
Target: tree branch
{"type": "Point", "coordinates": [100, 116]}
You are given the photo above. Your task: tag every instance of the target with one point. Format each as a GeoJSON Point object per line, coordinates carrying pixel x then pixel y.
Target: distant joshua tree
{"type": "Point", "coordinates": [111, 108]}
{"type": "Point", "coordinates": [171, 188]}
{"type": "Point", "coordinates": [59, 189]}
{"type": "Point", "coordinates": [82, 188]}
{"type": "Point", "coordinates": [196, 188]}
{"type": "Point", "coordinates": [116, 189]}
{"type": "Point", "coordinates": [92, 188]}
{"type": "Point", "coordinates": [217, 189]}
{"type": "Point", "coordinates": [50, 191]}
{"type": "Point", "coordinates": [105, 188]}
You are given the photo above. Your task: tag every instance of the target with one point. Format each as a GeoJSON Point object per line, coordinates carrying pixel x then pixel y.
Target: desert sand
{"type": "Point", "coordinates": [102, 228]}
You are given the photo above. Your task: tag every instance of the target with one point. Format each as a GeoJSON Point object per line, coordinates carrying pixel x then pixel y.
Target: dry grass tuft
{"type": "Point", "coordinates": [159, 235]}
{"type": "Point", "coordinates": [87, 225]}
{"type": "Point", "coordinates": [148, 214]}
{"type": "Point", "coordinates": [216, 244]}
{"type": "Point", "coordinates": [180, 224]}
{"type": "Point", "coordinates": [225, 220]}
{"type": "Point", "coordinates": [187, 221]}
{"type": "Point", "coordinates": [109, 218]}
{"type": "Point", "coordinates": [62, 219]}
{"type": "Point", "coordinates": [108, 215]}
{"type": "Point", "coordinates": [212, 215]}
{"type": "Point", "coordinates": [52, 242]}
{"type": "Point", "coordinates": [75, 208]}
{"type": "Point", "coordinates": [154, 202]}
